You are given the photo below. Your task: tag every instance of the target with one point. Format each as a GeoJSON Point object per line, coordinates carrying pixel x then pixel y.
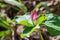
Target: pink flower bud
{"type": "Point", "coordinates": [34, 15]}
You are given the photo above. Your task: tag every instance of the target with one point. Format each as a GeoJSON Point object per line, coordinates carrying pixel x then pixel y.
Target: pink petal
{"type": "Point", "coordinates": [34, 15]}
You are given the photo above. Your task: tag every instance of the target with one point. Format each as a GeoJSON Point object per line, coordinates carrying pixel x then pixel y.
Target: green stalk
{"type": "Point", "coordinates": [40, 35]}
{"type": "Point", "coordinates": [37, 7]}
{"type": "Point", "coordinates": [2, 38]}
{"type": "Point", "coordinates": [42, 4]}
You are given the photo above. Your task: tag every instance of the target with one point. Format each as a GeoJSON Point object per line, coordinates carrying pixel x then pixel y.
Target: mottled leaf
{"type": "Point", "coordinates": [24, 20]}
{"type": "Point", "coordinates": [53, 24]}
{"type": "Point", "coordinates": [28, 31]}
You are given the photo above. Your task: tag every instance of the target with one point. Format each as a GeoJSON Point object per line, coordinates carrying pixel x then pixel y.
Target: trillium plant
{"type": "Point", "coordinates": [33, 21]}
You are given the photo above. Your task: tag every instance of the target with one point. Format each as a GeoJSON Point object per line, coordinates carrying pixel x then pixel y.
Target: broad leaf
{"type": "Point", "coordinates": [24, 20]}
{"type": "Point", "coordinates": [53, 29]}
{"type": "Point", "coordinates": [41, 19]}
{"type": "Point", "coordinates": [53, 24]}
{"type": "Point", "coordinates": [28, 31]}
{"type": "Point", "coordinates": [53, 17]}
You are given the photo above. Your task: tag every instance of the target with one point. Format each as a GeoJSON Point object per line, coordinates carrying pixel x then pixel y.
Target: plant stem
{"type": "Point", "coordinates": [40, 35]}
{"type": "Point", "coordinates": [2, 38]}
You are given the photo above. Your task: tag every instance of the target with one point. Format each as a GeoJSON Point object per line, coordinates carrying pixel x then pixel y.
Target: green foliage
{"type": "Point", "coordinates": [5, 24]}
{"type": "Point", "coordinates": [18, 4]}
{"type": "Point", "coordinates": [3, 5]}
{"type": "Point", "coordinates": [42, 4]}
{"type": "Point", "coordinates": [4, 33]}
{"type": "Point", "coordinates": [53, 24]}
{"type": "Point", "coordinates": [37, 7]}
{"type": "Point", "coordinates": [28, 31]}
{"type": "Point", "coordinates": [50, 20]}
{"type": "Point", "coordinates": [41, 19]}
{"type": "Point", "coordinates": [46, 7]}
{"type": "Point", "coordinates": [24, 20]}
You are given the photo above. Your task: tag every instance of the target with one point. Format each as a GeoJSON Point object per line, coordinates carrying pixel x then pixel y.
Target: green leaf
{"type": "Point", "coordinates": [46, 7]}
{"type": "Point", "coordinates": [41, 19]}
{"type": "Point", "coordinates": [42, 4]}
{"type": "Point", "coordinates": [25, 23]}
{"type": "Point", "coordinates": [5, 24]}
{"type": "Point", "coordinates": [28, 31]}
{"type": "Point", "coordinates": [19, 5]}
{"type": "Point", "coordinates": [24, 20]}
{"type": "Point", "coordinates": [53, 17]}
{"type": "Point", "coordinates": [3, 5]}
{"type": "Point", "coordinates": [53, 24]}
{"type": "Point", "coordinates": [50, 16]}
{"type": "Point", "coordinates": [53, 31]}
{"type": "Point", "coordinates": [52, 28]}
{"type": "Point", "coordinates": [37, 7]}
{"type": "Point", "coordinates": [4, 33]}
